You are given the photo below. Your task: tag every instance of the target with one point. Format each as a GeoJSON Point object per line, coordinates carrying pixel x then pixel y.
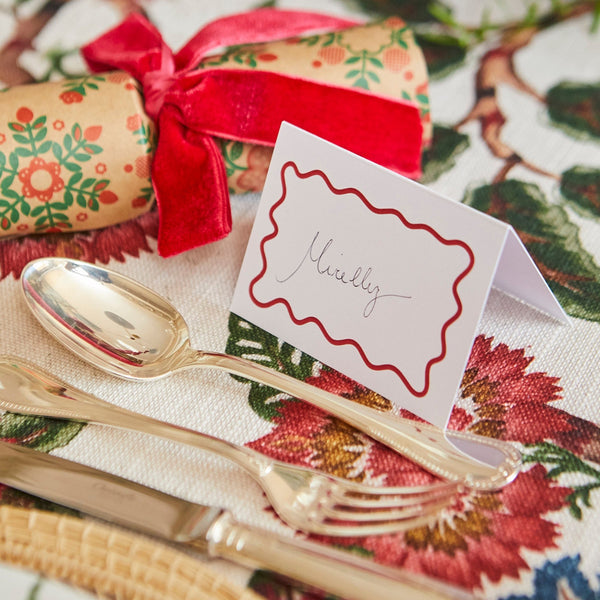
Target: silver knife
{"type": "Point", "coordinates": [211, 530]}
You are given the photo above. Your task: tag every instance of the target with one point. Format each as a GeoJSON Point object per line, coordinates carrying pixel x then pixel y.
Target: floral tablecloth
{"type": "Point", "coordinates": [515, 103]}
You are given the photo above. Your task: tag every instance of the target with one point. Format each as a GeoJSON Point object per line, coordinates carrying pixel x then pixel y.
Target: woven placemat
{"type": "Point", "coordinates": [108, 562]}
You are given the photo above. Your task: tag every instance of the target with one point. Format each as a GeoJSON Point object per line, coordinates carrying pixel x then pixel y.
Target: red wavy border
{"type": "Point", "coordinates": [349, 341]}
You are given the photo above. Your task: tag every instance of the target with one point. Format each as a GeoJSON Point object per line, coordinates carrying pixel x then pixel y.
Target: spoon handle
{"type": "Point", "coordinates": [423, 443]}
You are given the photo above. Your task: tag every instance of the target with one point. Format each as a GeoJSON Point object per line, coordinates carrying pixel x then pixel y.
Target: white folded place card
{"type": "Point", "coordinates": [375, 275]}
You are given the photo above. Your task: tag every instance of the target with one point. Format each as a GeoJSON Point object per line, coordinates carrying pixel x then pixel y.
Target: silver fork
{"type": "Point", "coordinates": [306, 500]}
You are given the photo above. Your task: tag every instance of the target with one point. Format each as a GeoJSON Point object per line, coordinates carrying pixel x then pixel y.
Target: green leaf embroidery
{"type": "Point", "coordinates": [552, 240]}
{"type": "Point", "coordinates": [236, 150]}
{"type": "Point", "coordinates": [253, 343]}
{"type": "Point", "coordinates": [446, 146]}
{"type": "Point", "coordinates": [575, 107]}
{"type": "Point", "coordinates": [580, 186]}
{"type": "Point", "coordinates": [565, 462]}
{"type": "Point", "coordinates": [38, 432]}
{"type": "Point", "coordinates": [443, 54]}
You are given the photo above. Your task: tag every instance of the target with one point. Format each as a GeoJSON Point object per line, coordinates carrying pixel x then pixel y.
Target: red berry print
{"type": "Point", "coordinates": [138, 202]}
{"type": "Point", "coordinates": [267, 57]}
{"type": "Point", "coordinates": [91, 134]}
{"type": "Point", "coordinates": [24, 115]}
{"type": "Point", "coordinates": [108, 197]}
{"type": "Point", "coordinates": [71, 97]}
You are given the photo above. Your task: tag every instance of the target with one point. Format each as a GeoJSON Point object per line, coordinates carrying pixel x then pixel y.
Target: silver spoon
{"type": "Point", "coordinates": [126, 329]}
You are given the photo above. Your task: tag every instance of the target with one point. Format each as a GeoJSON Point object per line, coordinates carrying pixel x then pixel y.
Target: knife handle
{"type": "Point", "coordinates": [333, 571]}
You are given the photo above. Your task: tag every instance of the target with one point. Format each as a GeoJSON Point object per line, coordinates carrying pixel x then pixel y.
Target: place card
{"type": "Point", "coordinates": [375, 275]}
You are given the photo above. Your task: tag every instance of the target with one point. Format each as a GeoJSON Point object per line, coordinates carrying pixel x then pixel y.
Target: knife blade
{"type": "Point", "coordinates": [210, 530]}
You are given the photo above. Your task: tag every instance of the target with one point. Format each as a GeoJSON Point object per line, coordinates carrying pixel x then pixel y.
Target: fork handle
{"type": "Point", "coordinates": [30, 391]}
{"type": "Point", "coordinates": [336, 572]}
{"type": "Point", "coordinates": [423, 443]}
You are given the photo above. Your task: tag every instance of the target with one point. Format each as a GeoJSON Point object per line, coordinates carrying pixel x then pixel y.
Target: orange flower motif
{"type": "Point", "coordinates": [143, 166]}
{"type": "Point", "coordinates": [100, 168]}
{"type": "Point", "coordinates": [253, 179]}
{"type": "Point", "coordinates": [134, 122]}
{"type": "Point", "coordinates": [332, 55]}
{"type": "Point", "coordinates": [58, 125]}
{"type": "Point", "coordinates": [395, 59]}
{"type": "Point", "coordinates": [41, 179]}
{"type": "Point", "coordinates": [395, 22]}
{"type": "Point", "coordinates": [2, 138]}
{"type": "Point", "coordinates": [117, 77]}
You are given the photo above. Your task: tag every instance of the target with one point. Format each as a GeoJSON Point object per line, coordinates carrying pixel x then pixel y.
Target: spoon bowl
{"type": "Point", "coordinates": [106, 318]}
{"type": "Point", "coordinates": [126, 329]}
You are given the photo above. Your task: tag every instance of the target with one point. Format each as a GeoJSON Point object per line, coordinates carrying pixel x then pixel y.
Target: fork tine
{"type": "Point", "coordinates": [360, 529]}
{"type": "Point", "coordinates": [374, 498]}
{"type": "Point", "coordinates": [349, 513]}
{"type": "Point", "coordinates": [417, 490]}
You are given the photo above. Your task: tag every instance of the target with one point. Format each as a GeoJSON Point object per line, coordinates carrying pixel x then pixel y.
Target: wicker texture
{"type": "Point", "coordinates": [108, 562]}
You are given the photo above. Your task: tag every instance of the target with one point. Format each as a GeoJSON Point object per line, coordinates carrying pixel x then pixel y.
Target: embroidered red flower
{"type": "Point", "coordinates": [483, 534]}
{"type": "Point", "coordinates": [509, 404]}
{"type": "Point", "coordinates": [41, 179]}
{"type": "Point", "coordinates": [480, 535]}
{"type": "Point", "coordinates": [100, 245]}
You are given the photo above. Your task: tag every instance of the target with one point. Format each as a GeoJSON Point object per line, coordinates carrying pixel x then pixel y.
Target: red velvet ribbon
{"type": "Point", "coordinates": [191, 106]}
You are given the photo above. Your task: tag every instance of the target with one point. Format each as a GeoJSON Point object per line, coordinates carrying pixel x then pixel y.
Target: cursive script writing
{"type": "Point", "coordinates": [359, 278]}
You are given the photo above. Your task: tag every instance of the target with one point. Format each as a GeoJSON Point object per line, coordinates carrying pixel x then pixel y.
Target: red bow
{"type": "Point", "coordinates": [191, 106]}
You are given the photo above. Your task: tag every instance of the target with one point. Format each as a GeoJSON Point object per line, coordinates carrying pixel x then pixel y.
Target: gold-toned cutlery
{"type": "Point", "coordinates": [211, 530]}
{"type": "Point", "coordinates": [126, 329]}
{"type": "Point", "coordinates": [306, 500]}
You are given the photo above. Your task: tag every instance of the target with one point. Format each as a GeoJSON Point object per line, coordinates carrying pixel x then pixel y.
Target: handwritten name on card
{"type": "Point", "coordinates": [321, 275]}
{"type": "Point", "coordinates": [370, 273]}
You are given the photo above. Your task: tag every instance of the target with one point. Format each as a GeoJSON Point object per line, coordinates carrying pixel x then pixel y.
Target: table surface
{"type": "Point", "coordinates": [516, 113]}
